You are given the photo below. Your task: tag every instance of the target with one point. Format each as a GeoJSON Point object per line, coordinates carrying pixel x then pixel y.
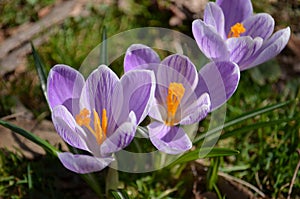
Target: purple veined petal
{"type": "Point", "coordinates": [170, 140]}
{"type": "Point", "coordinates": [270, 48]}
{"type": "Point", "coordinates": [64, 86]}
{"type": "Point", "coordinates": [197, 111]}
{"type": "Point", "coordinates": [139, 56]}
{"type": "Point", "coordinates": [209, 41]}
{"type": "Point", "coordinates": [98, 92]}
{"type": "Point", "coordinates": [138, 93]}
{"type": "Point", "coordinates": [242, 48]}
{"type": "Point", "coordinates": [235, 11]}
{"type": "Point", "coordinates": [68, 129]}
{"type": "Point", "coordinates": [184, 69]}
{"type": "Point", "coordinates": [213, 15]}
{"type": "Point", "coordinates": [121, 137]}
{"type": "Point", "coordinates": [259, 25]}
{"type": "Point", "coordinates": [83, 163]}
{"type": "Point", "coordinates": [219, 80]}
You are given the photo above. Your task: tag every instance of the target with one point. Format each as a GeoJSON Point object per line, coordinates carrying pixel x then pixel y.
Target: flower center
{"type": "Point", "coordinates": [236, 30]}
{"type": "Point", "coordinates": [99, 130]}
{"type": "Point", "coordinates": [175, 94]}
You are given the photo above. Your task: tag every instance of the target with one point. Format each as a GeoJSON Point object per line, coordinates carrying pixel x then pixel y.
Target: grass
{"type": "Point", "coordinates": [268, 154]}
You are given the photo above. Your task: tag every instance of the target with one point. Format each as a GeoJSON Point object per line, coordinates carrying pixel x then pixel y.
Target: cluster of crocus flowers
{"type": "Point", "coordinates": [182, 96]}
{"type": "Point", "coordinates": [98, 116]}
{"type": "Point", "coordinates": [230, 31]}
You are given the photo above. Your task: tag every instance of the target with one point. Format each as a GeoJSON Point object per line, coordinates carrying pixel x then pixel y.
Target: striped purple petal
{"type": "Point", "coordinates": [83, 163]}
{"type": "Point", "coordinates": [209, 41]}
{"type": "Point", "coordinates": [64, 86]}
{"type": "Point", "coordinates": [139, 56]}
{"type": "Point", "coordinates": [270, 48]}
{"type": "Point", "coordinates": [170, 140]}
{"type": "Point", "coordinates": [138, 93]}
{"type": "Point", "coordinates": [213, 15]}
{"type": "Point", "coordinates": [219, 80]}
{"type": "Point", "coordinates": [235, 11]}
{"type": "Point", "coordinates": [120, 138]}
{"type": "Point", "coordinates": [259, 25]}
{"type": "Point", "coordinates": [68, 129]}
{"type": "Point", "coordinates": [98, 94]}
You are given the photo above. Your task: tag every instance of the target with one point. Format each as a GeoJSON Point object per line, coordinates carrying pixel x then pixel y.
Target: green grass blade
{"type": "Point", "coordinates": [103, 48]}
{"type": "Point", "coordinates": [255, 126]}
{"type": "Point", "coordinates": [119, 194]}
{"type": "Point", "coordinates": [209, 153]}
{"type": "Point", "coordinates": [30, 136]}
{"type": "Point", "coordinates": [40, 68]}
{"type": "Point", "coordinates": [241, 118]}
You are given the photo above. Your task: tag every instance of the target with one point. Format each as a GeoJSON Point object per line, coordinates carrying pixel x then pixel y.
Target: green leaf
{"type": "Point", "coordinates": [119, 194]}
{"type": "Point", "coordinates": [204, 153]}
{"type": "Point", "coordinates": [255, 126]}
{"type": "Point", "coordinates": [32, 137]}
{"type": "Point", "coordinates": [241, 118]}
{"type": "Point", "coordinates": [103, 48]}
{"type": "Point", "coordinates": [40, 68]}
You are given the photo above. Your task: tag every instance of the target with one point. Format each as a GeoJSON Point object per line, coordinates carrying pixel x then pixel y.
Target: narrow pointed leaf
{"type": "Point", "coordinates": [255, 126]}
{"type": "Point", "coordinates": [103, 48]}
{"type": "Point", "coordinates": [30, 136]}
{"type": "Point", "coordinates": [209, 152]}
{"type": "Point", "coordinates": [119, 194]}
{"type": "Point", "coordinates": [243, 117]}
{"type": "Point", "coordinates": [40, 68]}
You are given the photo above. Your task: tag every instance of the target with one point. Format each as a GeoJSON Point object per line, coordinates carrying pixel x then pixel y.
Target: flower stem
{"type": "Point", "coordinates": [112, 178]}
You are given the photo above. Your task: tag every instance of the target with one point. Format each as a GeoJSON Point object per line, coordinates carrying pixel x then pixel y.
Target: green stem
{"type": "Point", "coordinates": [112, 178]}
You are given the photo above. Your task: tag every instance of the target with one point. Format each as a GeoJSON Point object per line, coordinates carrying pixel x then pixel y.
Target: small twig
{"type": "Point", "coordinates": [243, 183]}
{"type": "Point", "coordinates": [294, 176]}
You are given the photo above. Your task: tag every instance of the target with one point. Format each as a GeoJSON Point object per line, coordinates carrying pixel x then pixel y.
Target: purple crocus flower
{"type": "Point", "coordinates": [230, 31]}
{"type": "Point", "coordinates": [182, 96]}
{"type": "Point", "coordinates": [99, 115]}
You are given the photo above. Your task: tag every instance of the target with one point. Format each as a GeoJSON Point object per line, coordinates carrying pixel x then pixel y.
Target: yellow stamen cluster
{"type": "Point", "coordinates": [99, 131]}
{"type": "Point", "coordinates": [236, 30]}
{"type": "Point", "coordinates": [175, 94]}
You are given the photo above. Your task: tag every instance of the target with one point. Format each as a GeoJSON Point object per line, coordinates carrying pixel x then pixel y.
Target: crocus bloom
{"type": "Point", "coordinates": [230, 31]}
{"type": "Point", "coordinates": [99, 115]}
{"type": "Point", "coordinates": [182, 96]}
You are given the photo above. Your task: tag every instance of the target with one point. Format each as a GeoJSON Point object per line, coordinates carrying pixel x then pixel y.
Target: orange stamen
{"type": "Point", "coordinates": [175, 94]}
{"type": "Point", "coordinates": [99, 131]}
{"type": "Point", "coordinates": [236, 30]}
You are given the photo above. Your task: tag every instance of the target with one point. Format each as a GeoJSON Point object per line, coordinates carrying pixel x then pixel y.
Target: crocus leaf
{"type": "Point", "coordinates": [30, 136]}
{"type": "Point", "coordinates": [40, 68]}
{"type": "Point", "coordinates": [103, 48]}
{"type": "Point", "coordinates": [241, 118]}
{"type": "Point", "coordinates": [119, 194]}
{"type": "Point", "coordinates": [255, 126]}
{"type": "Point", "coordinates": [204, 153]}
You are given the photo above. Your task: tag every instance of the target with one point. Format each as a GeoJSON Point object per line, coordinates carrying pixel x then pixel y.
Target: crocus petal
{"type": "Point", "coordinates": [209, 41]}
{"type": "Point", "coordinates": [138, 93]}
{"type": "Point", "coordinates": [140, 56]}
{"type": "Point", "coordinates": [184, 70]}
{"type": "Point", "coordinates": [219, 80]}
{"type": "Point", "coordinates": [170, 140]}
{"type": "Point", "coordinates": [120, 138]}
{"type": "Point", "coordinates": [259, 25]}
{"type": "Point", "coordinates": [64, 86]}
{"type": "Point", "coordinates": [242, 48]}
{"type": "Point", "coordinates": [213, 15]}
{"type": "Point", "coordinates": [97, 94]}
{"type": "Point", "coordinates": [68, 129]}
{"type": "Point", "coordinates": [83, 163]}
{"type": "Point", "coordinates": [196, 111]}
{"type": "Point", "coordinates": [235, 11]}
{"type": "Point", "coordinates": [270, 48]}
